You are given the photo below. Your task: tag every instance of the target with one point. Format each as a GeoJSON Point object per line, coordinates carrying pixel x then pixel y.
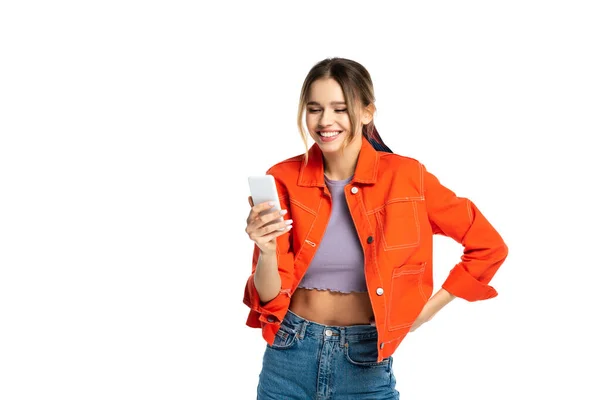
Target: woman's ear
{"type": "Point", "coordinates": [367, 114]}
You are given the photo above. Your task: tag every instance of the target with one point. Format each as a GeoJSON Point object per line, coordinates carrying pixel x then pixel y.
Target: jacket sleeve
{"type": "Point", "coordinates": [484, 249]}
{"type": "Point", "coordinates": [273, 311]}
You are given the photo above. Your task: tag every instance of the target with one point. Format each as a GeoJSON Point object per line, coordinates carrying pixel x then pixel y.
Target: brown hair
{"type": "Point", "coordinates": [356, 85]}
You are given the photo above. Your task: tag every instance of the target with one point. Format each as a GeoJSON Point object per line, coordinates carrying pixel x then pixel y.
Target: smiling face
{"type": "Point", "coordinates": [327, 117]}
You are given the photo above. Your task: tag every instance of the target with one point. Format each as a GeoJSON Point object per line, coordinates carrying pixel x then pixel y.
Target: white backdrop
{"type": "Point", "coordinates": [128, 129]}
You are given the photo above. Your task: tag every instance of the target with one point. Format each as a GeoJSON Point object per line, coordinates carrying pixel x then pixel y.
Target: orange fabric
{"type": "Point", "coordinates": [396, 210]}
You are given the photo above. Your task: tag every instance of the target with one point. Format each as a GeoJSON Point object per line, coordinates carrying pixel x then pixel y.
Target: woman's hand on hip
{"type": "Point", "coordinates": [433, 305]}
{"type": "Point", "coordinates": [425, 315]}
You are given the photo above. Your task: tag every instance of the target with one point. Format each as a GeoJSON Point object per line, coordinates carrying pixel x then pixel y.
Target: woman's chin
{"type": "Point", "coordinates": [329, 148]}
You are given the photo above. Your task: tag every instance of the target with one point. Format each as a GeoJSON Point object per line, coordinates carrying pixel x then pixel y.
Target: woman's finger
{"type": "Point", "coordinates": [266, 219]}
{"type": "Point", "coordinates": [259, 208]}
{"type": "Point", "coordinates": [264, 234]}
{"type": "Point", "coordinates": [276, 226]}
{"type": "Point", "coordinates": [256, 210]}
{"type": "Point", "coordinates": [275, 234]}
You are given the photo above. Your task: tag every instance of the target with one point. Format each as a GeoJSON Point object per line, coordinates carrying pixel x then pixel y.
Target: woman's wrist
{"type": "Point", "coordinates": [440, 300]}
{"type": "Point", "coordinates": [265, 255]}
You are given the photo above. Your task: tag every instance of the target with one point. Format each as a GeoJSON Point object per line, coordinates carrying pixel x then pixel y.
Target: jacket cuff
{"type": "Point", "coordinates": [462, 284]}
{"type": "Point", "coordinates": [271, 312]}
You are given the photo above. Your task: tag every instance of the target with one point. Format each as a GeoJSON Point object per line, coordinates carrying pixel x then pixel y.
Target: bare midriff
{"type": "Point", "coordinates": [332, 308]}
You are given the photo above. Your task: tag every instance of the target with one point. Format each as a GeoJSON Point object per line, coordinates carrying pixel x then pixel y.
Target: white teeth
{"type": "Point", "coordinates": [329, 134]}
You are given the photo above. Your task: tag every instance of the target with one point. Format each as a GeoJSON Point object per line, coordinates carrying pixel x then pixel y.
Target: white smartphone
{"type": "Point", "coordinates": [262, 188]}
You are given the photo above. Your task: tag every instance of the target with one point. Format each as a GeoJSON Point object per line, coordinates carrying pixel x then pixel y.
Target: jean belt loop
{"type": "Point", "coordinates": [342, 336]}
{"type": "Point", "coordinates": [303, 326]}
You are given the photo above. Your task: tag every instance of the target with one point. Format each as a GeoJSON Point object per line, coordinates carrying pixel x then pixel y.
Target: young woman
{"type": "Point", "coordinates": [347, 274]}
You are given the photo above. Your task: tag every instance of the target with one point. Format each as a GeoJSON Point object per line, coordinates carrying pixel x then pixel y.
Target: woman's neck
{"type": "Point", "coordinates": [341, 165]}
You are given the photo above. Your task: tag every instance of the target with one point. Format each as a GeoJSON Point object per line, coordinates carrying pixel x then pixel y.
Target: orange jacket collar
{"type": "Point", "coordinates": [312, 174]}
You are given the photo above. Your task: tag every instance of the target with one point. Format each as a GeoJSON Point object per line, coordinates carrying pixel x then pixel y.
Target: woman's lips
{"type": "Point", "coordinates": [330, 135]}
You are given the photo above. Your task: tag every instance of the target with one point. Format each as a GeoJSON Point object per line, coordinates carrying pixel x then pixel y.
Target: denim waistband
{"type": "Point", "coordinates": [352, 333]}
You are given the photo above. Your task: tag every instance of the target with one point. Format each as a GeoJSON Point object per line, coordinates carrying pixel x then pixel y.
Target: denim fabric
{"type": "Point", "coordinates": [310, 361]}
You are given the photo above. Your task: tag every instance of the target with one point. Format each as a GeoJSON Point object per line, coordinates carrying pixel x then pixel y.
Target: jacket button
{"type": "Point", "coordinates": [354, 190]}
{"type": "Point", "coordinates": [379, 291]}
{"type": "Point", "coordinates": [381, 346]}
{"type": "Point", "coordinates": [270, 318]}
{"type": "Point", "coordinates": [370, 239]}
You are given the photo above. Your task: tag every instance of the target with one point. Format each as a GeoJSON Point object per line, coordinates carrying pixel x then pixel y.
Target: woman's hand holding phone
{"type": "Point", "coordinates": [264, 226]}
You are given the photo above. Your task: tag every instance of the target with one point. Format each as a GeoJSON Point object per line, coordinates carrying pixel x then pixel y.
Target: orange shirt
{"type": "Point", "coordinates": [396, 206]}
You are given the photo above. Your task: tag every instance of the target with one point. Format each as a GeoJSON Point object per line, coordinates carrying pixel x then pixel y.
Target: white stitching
{"type": "Point", "coordinates": [469, 211]}
{"type": "Point", "coordinates": [425, 299]}
{"type": "Point", "coordinates": [401, 246]}
{"type": "Point", "coordinates": [396, 200]}
{"type": "Point", "coordinates": [385, 316]}
{"type": "Point", "coordinates": [309, 230]}
{"type": "Point", "coordinates": [302, 206]}
{"type": "Point", "coordinates": [421, 180]}
{"type": "Point", "coordinates": [420, 271]}
{"type": "Point", "coordinates": [401, 272]}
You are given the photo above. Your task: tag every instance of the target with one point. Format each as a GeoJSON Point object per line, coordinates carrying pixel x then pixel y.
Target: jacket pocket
{"type": "Point", "coordinates": [398, 224]}
{"type": "Point", "coordinates": [407, 296]}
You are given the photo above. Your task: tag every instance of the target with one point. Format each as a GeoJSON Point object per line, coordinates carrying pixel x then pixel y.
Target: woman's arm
{"type": "Point", "coordinates": [484, 250]}
{"type": "Point", "coordinates": [435, 304]}
{"type": "Point", "coordinates": [266, 277]}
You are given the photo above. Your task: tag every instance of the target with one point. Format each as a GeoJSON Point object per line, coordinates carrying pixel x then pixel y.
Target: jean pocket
{"type": "Point", "coordinates": [364, 353]}
{"type": "Point", "coordinates": [285, 337]}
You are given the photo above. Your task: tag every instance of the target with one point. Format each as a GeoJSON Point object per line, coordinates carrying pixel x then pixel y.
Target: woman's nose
{"type": "Point", "coordinates": [326, 118]}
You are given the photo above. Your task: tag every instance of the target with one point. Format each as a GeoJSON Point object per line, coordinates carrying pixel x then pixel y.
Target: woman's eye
{"type": "Point", "coordinates": [316, 110]}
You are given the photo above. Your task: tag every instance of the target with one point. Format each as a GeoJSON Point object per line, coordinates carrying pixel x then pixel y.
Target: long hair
{"type": "Point", "coordinates": [356, 85]}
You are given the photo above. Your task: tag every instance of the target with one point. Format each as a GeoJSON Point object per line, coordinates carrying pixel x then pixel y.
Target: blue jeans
{"type": "Point", "coordinates": [318, 362]}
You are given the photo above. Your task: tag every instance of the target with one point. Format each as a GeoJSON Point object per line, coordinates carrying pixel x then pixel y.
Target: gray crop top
{"type": "Point", "coordinates": [338, 264]}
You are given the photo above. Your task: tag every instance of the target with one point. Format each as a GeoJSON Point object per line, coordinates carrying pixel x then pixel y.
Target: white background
{"type": "Point", "coordinates": [128, 130]}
